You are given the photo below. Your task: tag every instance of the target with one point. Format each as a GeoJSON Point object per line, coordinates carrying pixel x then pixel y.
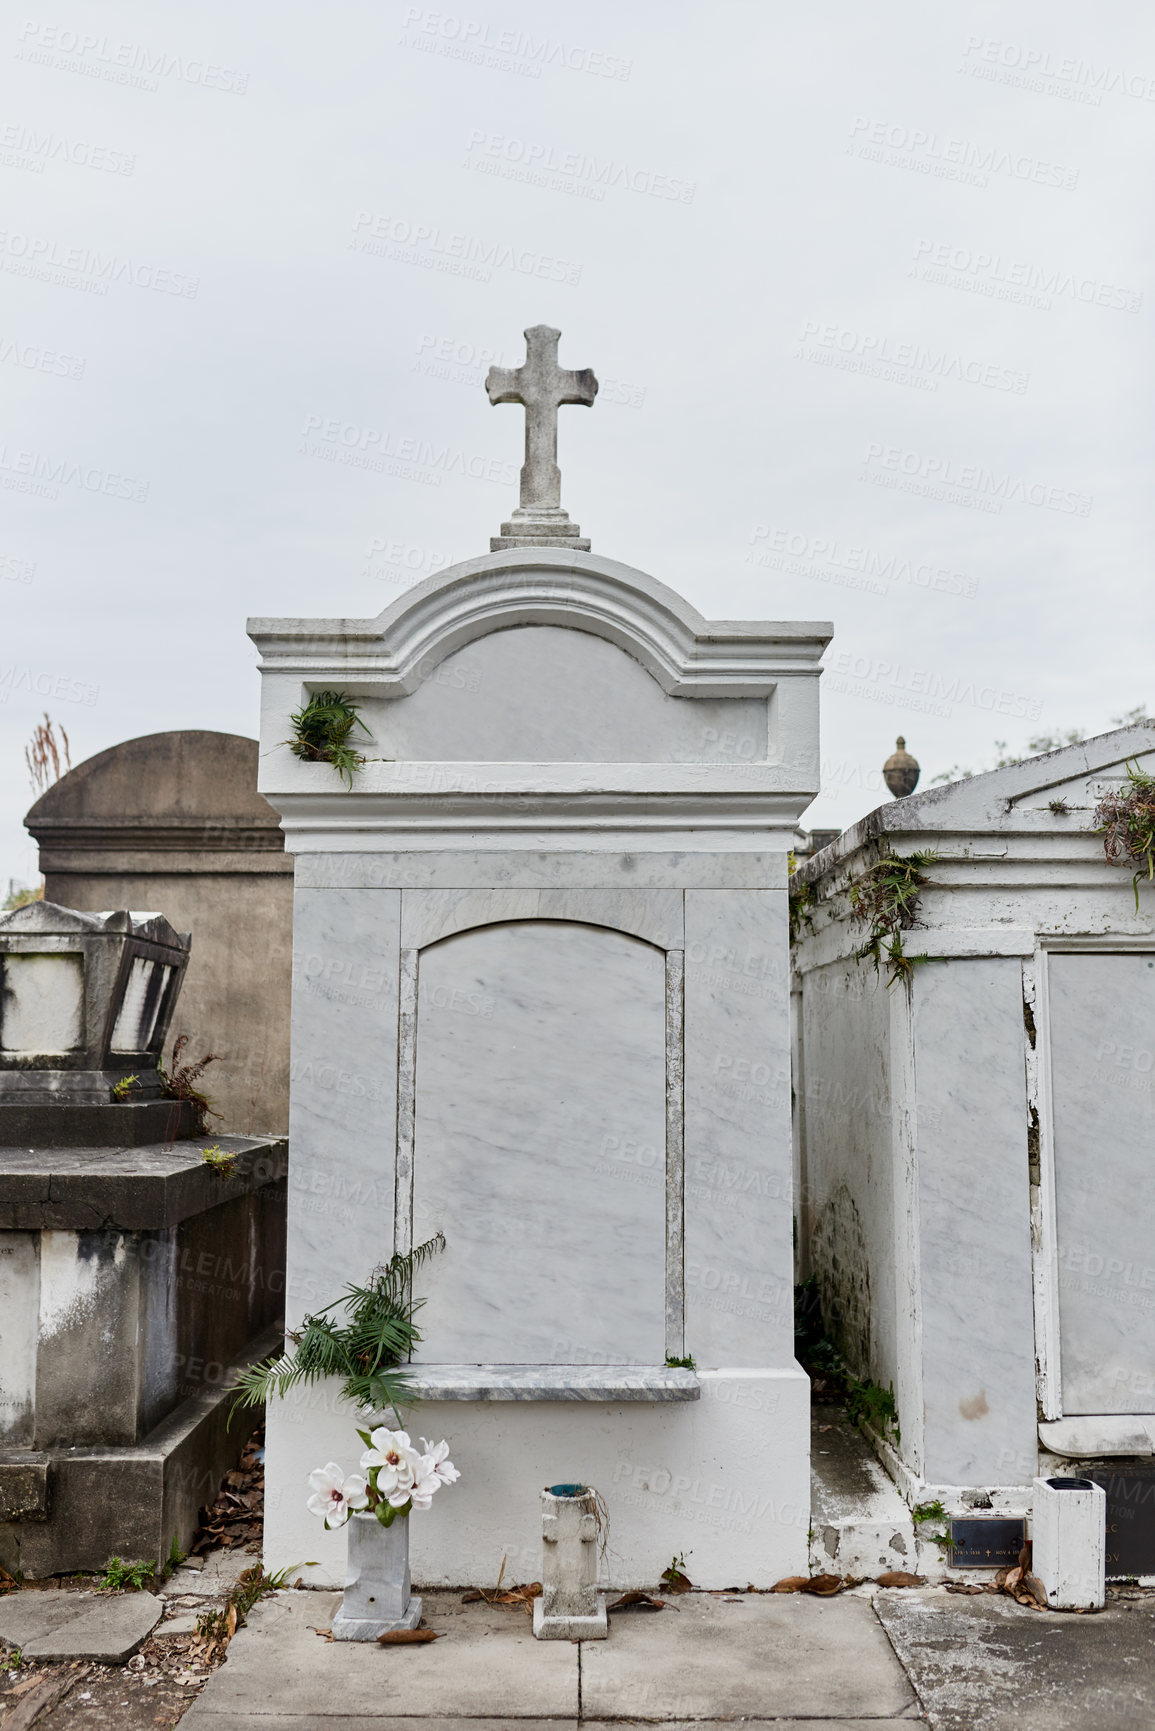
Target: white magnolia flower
{"type": "Point", "coordinates": [395, 1459]}
{"type": "Point", "coordinates": [424, 1485]}
{"type": "Point", "coordinates": [334, 1495]}
{"type": "Point", "coordinates": [435, 1459]}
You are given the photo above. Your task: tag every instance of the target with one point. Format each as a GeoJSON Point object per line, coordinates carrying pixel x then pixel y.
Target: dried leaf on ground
{"type": "Point", "coordinates": [790, 1584]}
{"type": "Point", "coordinates": [900, 1578]}
{"type": "Point", "coordinates": [962, 1587]}
{"type": "Point", "coordinates": [510, 1598]}
{"type": "Point", "coordinates": [676, 1581]}
{"type": "Point", "coordinates": [823, 1586]}
{"type": "Point", "coordinates": [637, 1602]}
{"type": "Point", "coordinates": [1023, 1586]}
{"type": "Point", "coordinates": [406, 1637]}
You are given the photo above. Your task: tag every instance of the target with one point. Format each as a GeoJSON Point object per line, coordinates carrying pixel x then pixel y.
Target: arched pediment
{"type": "Point", "coordinates": [688, 656]}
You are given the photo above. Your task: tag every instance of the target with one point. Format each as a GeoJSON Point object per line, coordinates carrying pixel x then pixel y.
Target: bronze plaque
{"type": "Point", "coordinates": [991, 1542]}
{"type": "Point", "coordinates": [1130, 1521]}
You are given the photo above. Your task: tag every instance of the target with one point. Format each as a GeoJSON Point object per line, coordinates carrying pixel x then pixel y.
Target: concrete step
{"type": "Point", "coordinates": [859, 1524]}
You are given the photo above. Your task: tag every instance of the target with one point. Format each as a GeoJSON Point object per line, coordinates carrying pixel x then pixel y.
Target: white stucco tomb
{"type": "Point", "coordinates": [975, 1176]}
{"type": "Point", "coordinates": [543, 941]}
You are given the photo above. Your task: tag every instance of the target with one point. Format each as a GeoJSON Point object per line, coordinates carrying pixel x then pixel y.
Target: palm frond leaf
{"type": "Point", "coordinates": [369, 1350]}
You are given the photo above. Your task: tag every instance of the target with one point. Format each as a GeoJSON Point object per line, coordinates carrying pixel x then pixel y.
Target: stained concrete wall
{"type": "Point", "coordinates": [173, 822]}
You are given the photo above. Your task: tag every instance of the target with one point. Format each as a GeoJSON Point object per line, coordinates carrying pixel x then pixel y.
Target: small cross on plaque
{"type": "Point", "coordinates": [541, 386]}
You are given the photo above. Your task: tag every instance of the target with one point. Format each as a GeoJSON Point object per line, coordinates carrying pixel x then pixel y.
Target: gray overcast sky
{"type": "Point", "coordinates": [868, 291]}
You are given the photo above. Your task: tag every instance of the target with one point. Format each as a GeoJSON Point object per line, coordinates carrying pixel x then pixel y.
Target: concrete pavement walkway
{"type": "Point", "coordinates": [704, 1657]}
{"type": "Point", "coordinates": [869, 1658]}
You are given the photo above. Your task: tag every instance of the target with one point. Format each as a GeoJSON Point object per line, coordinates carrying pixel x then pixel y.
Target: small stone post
{"type": "Point", "coordinates": [570, 1607]}
{"type": "Point", "coordinates": [1069, 1531]}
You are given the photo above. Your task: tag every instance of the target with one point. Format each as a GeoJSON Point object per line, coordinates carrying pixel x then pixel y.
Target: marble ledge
{"type": "Point", "coordinates": [1102, 1436]}
{"type": "Point", "coordinates": [609, 1382]}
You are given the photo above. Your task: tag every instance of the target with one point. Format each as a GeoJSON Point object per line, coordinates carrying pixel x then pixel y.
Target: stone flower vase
{"type": "Point", "coordinates": [376, 1581]}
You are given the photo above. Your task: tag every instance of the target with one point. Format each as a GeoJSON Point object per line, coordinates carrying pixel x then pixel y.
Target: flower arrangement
{"type": "Point", "coordinates": [399, 1479]}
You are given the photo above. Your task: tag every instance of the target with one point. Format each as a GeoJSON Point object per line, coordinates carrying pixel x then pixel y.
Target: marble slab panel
{"type": "Point", "coordinates": [738, 1225]}
{"type": "Point", "coordinates": [343, 1095]}
{"type": "Point", "coordinates": [539, 1145]}
{"type": "Point", "coordinates": [973, 1238]}
{"type": "Point", "coordinates": [19, 1309]}
{"type": "Point", "coordinates": [533, 868]}
{"type": "Point", "coordinates": [653, 915]}
{"type": "Point", "coordinates": [614, 1382]}
{"type": "Point", "coordinates": [1102, 1018]}
{"type": "Point", "coordinates": [548, 693]}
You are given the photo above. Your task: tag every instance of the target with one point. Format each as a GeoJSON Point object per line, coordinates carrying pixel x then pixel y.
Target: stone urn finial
{"type": "Point", "coordinates": [900, 771]}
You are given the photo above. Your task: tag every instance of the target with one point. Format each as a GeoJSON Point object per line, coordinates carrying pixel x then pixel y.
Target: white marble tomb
{"type": "Point", "coordinates": [975, 1182]}
{"type": "Point", "coordinates": [540, 1004]}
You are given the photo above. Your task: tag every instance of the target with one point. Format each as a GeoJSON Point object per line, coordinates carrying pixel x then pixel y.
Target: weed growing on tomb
{"type": "Point", "coordinates": [886, 897]}
{"type": "Point", "coordinates": [1126, 822]}
{"type": "Point", "coordinates": [11, 1660]}
{"type": "Point", "coordinates": [321, 733]}
{"type": "Point", "coordinates": [799, 900]}
{"type": "Point", "coordinates": [868, 1402]}
{"type": "Point", "coordinates": [117, 1576]}
{"type": "Point", "coordinates": [179, 1081]}
{"type": "Point", "coordinates": [680, 1363]}
{"type": "Point", "coordinates": [122, 1089]}
{"type": "Point", "coordinates": [221, 1160]}
{"type": "Point", "coordinates": [923, 1513]}
{"type": "Point", "coordinates": [831, 1377]}
{"type": "Point", "coordinates": [366, 1350]}
{"type": "Point", "coordinates": [1059, 807]}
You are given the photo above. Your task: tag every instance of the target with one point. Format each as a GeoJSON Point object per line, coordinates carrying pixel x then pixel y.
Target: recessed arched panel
{"type": "Point", "coordinates": [541, 693]}
{"type": "Point", "coordinates": [539, 1145]}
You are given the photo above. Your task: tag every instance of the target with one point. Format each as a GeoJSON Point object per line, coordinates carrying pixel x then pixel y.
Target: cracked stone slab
{"type": "Point", "coordinates": [988, 1661]}
{"type": "Point", "coordinates": [754, 1656]}
{"type": "Point", "coordinates": [61, 1625]}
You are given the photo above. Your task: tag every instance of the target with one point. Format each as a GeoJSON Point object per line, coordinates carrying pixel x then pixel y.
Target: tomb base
{"type": "Point", "coordinates": [133, 1283]}
{"type": "Point", "coordinates": [723, 1481]}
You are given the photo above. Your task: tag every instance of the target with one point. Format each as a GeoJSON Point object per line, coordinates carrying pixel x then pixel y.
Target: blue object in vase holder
{"type": "Point", "coordinates": [567, 1490]}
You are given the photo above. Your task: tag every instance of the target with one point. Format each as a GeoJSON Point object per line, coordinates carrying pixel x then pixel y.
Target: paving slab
{"type": "Point", "coordinates": [986, 1661]}
{"type": "Point", "coordinates": [385, 1721]}
{"type": "Point", "coordinates": [754, 1655]}
{"type": "Point", "coordinates": [486, 1664]}
{"type": "Point", "coordinates": [54, 1624]}
{"type": "Point", "coordinates": [176, 1628]}
{"type": "Point", "coordinates": [379, 1722]}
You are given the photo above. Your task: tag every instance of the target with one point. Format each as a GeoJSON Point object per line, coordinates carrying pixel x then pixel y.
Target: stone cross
{"type": "Point", "coordinates": [541, 386]}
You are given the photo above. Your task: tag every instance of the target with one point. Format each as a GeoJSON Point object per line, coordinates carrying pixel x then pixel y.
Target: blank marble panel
{"type": "Point", "coordinates": [43, 1002]}
{"type": "Point", "coordinates": [1102, 1013]}
{"type": "Point", "coordinates": [739, 1260]}
{"type": "Point", "coordinates": [973, 1231]}
{"type": "Point", "coordinates": [541, 693]}
{"type": "Point", "coordinates": [539, 1145]}
{"type": "Point", "coordinates": [19, 1314]}
{"type": "Point", "coordinates": [343, 1103]}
